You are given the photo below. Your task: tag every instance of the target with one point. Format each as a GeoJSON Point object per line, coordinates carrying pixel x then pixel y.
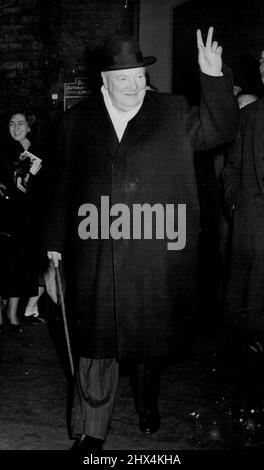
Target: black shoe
{"type": "Point", "coordinates": [16, 327]}
{"type": "Point", "coordinates": [1, 328]}
{"type": "Point", "coordinates": [36, 320]}
{"type": "Point", "coordinates": [84, 442]}
{"type": "Point", "coordinates": [149, 422]}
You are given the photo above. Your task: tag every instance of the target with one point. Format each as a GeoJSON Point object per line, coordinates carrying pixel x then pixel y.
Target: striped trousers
{"type": "Point", "coordinates": [94, 397]}
{"type": "Point", "coordinates": [96, 389]}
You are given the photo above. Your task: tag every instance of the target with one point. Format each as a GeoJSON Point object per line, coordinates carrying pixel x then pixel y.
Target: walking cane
{"type": "Point", "coordinates": [65, 324]}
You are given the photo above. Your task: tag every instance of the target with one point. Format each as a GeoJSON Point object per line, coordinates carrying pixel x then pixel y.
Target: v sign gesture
{"type": "Point", "coordinates": [210, 54]}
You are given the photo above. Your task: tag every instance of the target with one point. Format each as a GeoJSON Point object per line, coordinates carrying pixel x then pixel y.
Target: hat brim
{"type": "Point", "coordinates": [146, 61]}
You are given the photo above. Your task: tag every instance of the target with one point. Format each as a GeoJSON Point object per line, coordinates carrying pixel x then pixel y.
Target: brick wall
{"type": "Point", "coordinates": [43, 42]}
{"type": "Point", "coordinates": [21, 52]}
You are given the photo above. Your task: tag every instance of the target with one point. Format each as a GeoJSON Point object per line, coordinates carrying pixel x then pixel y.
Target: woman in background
{"type": "Point", "coordinates": [21, 196]}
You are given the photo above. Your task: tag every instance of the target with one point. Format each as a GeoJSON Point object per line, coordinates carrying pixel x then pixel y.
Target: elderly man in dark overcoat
{"type": "Point", "coordinates": [125, 219]}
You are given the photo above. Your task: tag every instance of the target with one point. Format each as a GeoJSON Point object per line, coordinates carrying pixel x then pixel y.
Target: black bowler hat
{"type": "Point", "coordinates": [119, 53]}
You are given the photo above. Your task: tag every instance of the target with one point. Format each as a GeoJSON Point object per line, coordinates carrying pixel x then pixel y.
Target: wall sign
{"type": "Point", "coordinates": [75, 92]}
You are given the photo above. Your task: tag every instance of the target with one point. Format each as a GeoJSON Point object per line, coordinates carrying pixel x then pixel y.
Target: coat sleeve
{"type": "Point", "coordinates": [59, 177]}
{"type": "Point", "coordinates": [231, 175]}
{"type": "Point", "coordinates": [215, 121]}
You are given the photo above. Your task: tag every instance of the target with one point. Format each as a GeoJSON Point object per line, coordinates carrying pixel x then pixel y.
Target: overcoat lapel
{"type": "Point", "coordinates": [105, 132]}
{"type": "Point", "coordinates": [106, 135]}
{"type": "Point", "coordinates": [138, 125]}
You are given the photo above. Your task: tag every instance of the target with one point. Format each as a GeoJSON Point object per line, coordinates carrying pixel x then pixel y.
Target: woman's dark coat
{"type": "Point", "coordinates": [244, 194]}
{"type": "Point", "coordinates": [134, 298]}
{"type": "Point", "coordinates": [19, 225]}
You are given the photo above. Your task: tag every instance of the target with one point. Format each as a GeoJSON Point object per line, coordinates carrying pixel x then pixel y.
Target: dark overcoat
{"type": "Point", "coordinates": [244, 195]}
{"type": "Point", "coordinates": [19, 218]}
{"type": "Point", "coordinates": [134, 297]}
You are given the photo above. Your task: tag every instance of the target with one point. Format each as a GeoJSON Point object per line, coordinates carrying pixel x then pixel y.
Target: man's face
{"type": "Point", "coordinates": [126, 88]}
{"type": "Point", "coordinates": [245, 99]}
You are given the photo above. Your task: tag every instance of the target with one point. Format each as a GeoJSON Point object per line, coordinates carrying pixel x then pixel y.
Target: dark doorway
{"type": "Point", "coordinates": [131, 17]}
{"type": "Point", "coordinates": [238, 28]}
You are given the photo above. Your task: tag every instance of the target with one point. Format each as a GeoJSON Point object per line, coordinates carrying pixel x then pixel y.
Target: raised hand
{"type": "Point", "coordinates": [210, 54]}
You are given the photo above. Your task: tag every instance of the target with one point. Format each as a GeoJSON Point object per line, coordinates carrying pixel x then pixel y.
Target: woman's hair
{"type": "Point", "coordinates": [29, 115]}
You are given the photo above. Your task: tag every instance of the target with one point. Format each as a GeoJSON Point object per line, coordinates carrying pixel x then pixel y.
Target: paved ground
{"type": "Point", "coordinates": [201, 404]}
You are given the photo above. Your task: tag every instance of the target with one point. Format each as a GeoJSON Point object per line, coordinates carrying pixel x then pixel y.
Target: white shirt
{"type": "Point", "coordinates": [118, 118]}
